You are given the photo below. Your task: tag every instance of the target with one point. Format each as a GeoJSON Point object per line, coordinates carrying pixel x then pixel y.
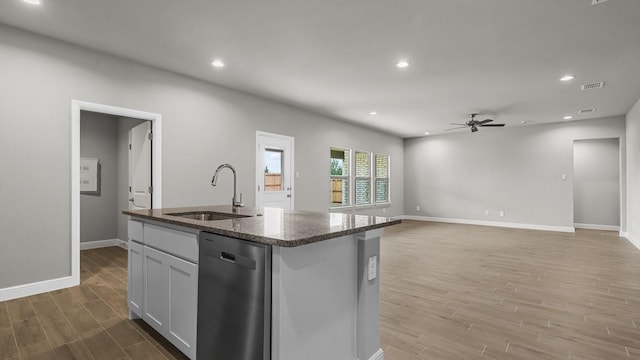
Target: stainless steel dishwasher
{"type": "Point", "coordinates": [234, 299]}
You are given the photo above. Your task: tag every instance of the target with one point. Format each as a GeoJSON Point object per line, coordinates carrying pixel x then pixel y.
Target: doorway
{"type": "Point", "coordinates": [274, 170]}
{"type": "Point", "coordinates": [596, 184]}
{"type": "Point", "coordinates": [154, 120]}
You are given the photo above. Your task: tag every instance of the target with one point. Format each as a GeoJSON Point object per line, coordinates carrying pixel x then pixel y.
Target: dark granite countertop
{"type": "Point", "coordinates": [271, 225]}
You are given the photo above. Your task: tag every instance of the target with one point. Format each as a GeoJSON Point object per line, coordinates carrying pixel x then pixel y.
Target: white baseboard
{"type": "Point", "coordinates": [39, 287]}
{"type": "Point", "coordinates": [100, 244]}
{"type": "Point", "coordinates": [596, 227]}
{"type": "Point", "coordinates": [379, 355]}
{"type": "Point", "coordinates": [491, 223]}
{"type": "Point", "coordinates": [635, 242]}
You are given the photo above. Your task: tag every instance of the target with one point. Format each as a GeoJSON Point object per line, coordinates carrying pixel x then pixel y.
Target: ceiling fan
{"type": "Point", "coordinates": [474, 124]}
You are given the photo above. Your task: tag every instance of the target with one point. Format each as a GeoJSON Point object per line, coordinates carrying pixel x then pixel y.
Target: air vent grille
{"type": "Point", "coordinates": [587, 111]}
{"type": "Point", "coordinates": [591, 86]}
{"type": "Point", "coordinates": [596, 2]}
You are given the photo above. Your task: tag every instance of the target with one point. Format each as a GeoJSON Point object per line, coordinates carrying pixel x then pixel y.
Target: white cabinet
{"type": "Point", "coordinates": [183, 305]}
{"type": "Point", "coordinates": [163, 288]}
{"type": "Point", "coordinates": [135, 284]}
{"type": "Point", "coordinates": [156, 288]}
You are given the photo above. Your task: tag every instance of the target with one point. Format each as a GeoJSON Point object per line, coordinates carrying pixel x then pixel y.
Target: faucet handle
{"type": "Point", "coordinates": [238, 203]}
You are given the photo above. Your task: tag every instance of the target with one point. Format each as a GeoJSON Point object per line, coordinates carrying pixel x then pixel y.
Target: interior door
{"type": "Point", "coordinates": [140, 187]}
{"type": "Point", "coordinates": [274, 170]}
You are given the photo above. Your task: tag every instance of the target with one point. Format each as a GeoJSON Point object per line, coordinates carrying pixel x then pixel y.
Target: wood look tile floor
{"type": "Point", "coordinates": [470, 292]}
{"type": "Point", "coordinates": [447, 292]}
{"type": "Point", "coordinates": [89, 321]}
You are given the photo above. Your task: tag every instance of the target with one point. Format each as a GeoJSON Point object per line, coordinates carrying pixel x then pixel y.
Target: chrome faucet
{"type": "Point", "coordinates": [234, 202]}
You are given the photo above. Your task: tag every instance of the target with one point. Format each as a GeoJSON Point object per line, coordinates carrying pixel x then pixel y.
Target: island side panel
{"type": "Point", "coordinates": [314, 296]}
{"type": "Point", "coordinates": [368, 319]}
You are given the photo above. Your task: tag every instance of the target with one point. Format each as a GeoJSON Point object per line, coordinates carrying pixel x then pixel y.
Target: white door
{"type": "Point", "coordinates": [140, 166]}
{"type": "Point", "coordinates": [135, 283]}
{"type": "Point", "coordinates": [183, 305]}
{"type": "Point", "coordinates": [155, 295]}
{"type": "Point", "coordinates": [274, 171]}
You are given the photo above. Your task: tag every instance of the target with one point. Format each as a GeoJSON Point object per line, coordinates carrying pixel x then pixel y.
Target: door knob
{"type": "Point", "coordinates": [288, 195]}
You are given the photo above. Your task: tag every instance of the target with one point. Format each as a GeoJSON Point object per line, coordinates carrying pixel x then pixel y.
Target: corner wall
{"type": "Point", "coordinates": [633, 174]}
{"type": "Point", "coordinates": [518, 170]}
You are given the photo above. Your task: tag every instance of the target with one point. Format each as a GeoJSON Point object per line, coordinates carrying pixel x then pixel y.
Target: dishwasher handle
{"type": "Point", "coordinates": [230, 258]}
{"type": "Point", "coordinates": [227, 257]}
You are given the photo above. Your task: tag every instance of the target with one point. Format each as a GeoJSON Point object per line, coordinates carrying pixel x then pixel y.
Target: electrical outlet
{"type": "Point", "coordinates": [501, 212]}
{"type": "Point", "coordinates": [384, 210]}
{"type": "Point", "coordinates": [418, 208]}
{"type": "Point", "coordinates": [486, 212]}
{"type": "Point", "coordinates": [372, 268]}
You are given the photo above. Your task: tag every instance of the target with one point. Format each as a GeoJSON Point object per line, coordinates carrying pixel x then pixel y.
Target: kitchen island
{"type": "Point", "coordinates": [320, 293]}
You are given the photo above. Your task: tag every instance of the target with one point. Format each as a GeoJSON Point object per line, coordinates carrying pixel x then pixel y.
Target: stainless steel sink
{"type": "Point", "coordinates": [208, 215]}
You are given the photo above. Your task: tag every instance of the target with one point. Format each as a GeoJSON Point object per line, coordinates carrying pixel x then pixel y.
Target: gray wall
{"type": "Point", "coordinates": [204, 125]}
{"type": "Point", "coordinates": [124, 125]}
{"type": "Point", "coordinates": [633, 172]}
{"type": "Point", "coordinates": [518, 170]}
{"type": "Point", "coordinates": [596, 182]}
{"type": "Point", "coordinates": [99, 139]}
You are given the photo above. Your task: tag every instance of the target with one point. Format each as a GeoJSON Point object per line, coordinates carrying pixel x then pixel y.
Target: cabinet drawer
{"type": "Point", "coordinates": [134, 229]}
{"type": "Point", "coordinates": [179, 243]}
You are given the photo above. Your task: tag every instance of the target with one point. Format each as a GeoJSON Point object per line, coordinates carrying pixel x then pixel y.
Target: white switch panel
{"type": "Point", "coordinates": [373, 264]}
{"type": "Point", "coordinates": [564, 176]}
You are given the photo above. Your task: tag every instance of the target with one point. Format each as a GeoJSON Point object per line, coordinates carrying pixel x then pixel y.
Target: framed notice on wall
{"type": "Point", "coordinates": [89, 176]}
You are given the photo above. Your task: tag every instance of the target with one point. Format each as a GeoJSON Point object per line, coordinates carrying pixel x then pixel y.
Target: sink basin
{"type": "Point", "coordinates": [208, 215]}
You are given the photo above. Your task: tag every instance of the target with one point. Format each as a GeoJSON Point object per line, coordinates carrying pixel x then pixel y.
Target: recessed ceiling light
{"type": "Point", "coordinates": [427, 133]}
{"type": "Point", "coordinates": [217, 63]}
{"type": "Point", "coordinates": [33, 2]}
{"type": "Point", "coordinates": [402, 64]}
{"type": "Point", "coordinates": [567, 77]}
{"type": "Point", "coordinates": [373, 113]}
{"type": "Point", "coordinates": [568, 117]}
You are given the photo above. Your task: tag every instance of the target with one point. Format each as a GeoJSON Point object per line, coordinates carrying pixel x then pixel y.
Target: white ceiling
{"type": "Point", "coordinates": [336, 57]}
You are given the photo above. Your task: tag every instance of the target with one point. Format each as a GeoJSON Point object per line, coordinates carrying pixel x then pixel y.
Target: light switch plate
{"type": "Point", "coordinates": [373, 264]}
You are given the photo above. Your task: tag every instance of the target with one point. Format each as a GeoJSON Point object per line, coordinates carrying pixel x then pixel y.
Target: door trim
{"type": "Point", "coordinates": [156, 163]}
{"type": "Point", "coordinates": [293, 162]}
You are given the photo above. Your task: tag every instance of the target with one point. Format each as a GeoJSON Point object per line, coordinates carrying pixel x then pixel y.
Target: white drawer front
{"type": "Point", "coordinates": [179, 243]}
{"type": "Point", "coordinates": [134, 229]}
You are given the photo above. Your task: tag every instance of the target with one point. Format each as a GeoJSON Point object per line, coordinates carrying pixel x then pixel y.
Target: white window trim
{"type": "Point", "coordinates": [347, 177]}
{"type": "Point", "coordinates": [356, 177]}
{"type": "Point", "coordinates": [352, 183]}
{"type": "Point", "coordinates": [375, 177]}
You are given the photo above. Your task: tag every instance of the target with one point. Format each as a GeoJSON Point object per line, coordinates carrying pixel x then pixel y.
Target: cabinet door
{"type": "Point", "coordinates": [156, 288]}
{"type": "Point", "coordinates": [135, 284]}
{"type": "Point", "coordinates": [183, 305]}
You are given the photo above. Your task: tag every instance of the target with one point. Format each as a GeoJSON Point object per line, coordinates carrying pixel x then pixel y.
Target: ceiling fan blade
{"type": "Point", "coordinates": [484, 121]}
{"type": "Point", "coordinates": [457, 124]}
{"type": "Point", "coordinates": [494, 125]}
{"type": "Point", "coordinates": [456, 128]}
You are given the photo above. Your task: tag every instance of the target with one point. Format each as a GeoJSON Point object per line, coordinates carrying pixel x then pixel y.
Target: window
{"type": "Point", "coordinates": [382, 178]}
{"type": "Point", "coordinates": [363, 178]}
{"type": "Point", "coordinates": [368, 180]}
{"type": "Point", "coordinates": [273, 160]}
{"type": "Point", "coordinates": [339, 170]}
